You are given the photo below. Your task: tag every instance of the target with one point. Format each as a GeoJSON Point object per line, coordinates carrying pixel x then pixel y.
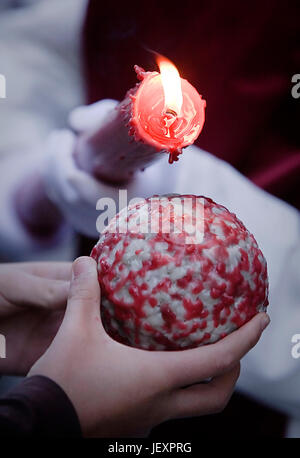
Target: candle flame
{"type": "Point", "coordinates": [171, 85]}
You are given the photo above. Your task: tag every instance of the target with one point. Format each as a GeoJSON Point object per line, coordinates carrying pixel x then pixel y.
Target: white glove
{"type": "Point", "coordinates": [75, 192]}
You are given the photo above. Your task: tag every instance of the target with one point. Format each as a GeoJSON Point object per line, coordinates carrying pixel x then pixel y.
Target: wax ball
{"type": "Point", "coordinates": [178, 272]}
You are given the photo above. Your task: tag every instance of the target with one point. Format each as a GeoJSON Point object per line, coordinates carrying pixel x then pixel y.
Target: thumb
{"type": "Point", "coordinates": [84, 295]}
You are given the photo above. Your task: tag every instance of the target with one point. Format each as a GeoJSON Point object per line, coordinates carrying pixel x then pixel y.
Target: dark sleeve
{"type": "Point", "coordinates": [38, 407]}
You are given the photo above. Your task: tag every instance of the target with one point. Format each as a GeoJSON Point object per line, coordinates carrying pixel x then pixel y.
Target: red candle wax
{"type": "Point", "coordinates": [141, 130]}
{"type": "Point", "coordinates": [152, 123]}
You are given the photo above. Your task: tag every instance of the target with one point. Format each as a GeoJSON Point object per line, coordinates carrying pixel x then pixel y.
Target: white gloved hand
{"type": "Point", "coordinates": [76, 192]}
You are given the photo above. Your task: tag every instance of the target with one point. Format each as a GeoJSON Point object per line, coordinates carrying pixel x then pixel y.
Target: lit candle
{"type": "Point", "coordinates": [162, 114]}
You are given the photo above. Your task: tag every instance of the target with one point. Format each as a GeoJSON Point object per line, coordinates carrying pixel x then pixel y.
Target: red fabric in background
{"type": "Point", "coordinates": [240, 55]}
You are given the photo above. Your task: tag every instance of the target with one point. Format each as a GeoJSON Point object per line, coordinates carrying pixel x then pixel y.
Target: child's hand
{"type": "Point", "coordinates": [119, 390]}
{"type": "Point", "coordinates": [33, 298]}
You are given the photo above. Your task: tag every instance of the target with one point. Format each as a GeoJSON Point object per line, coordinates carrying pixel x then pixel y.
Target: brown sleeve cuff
{"type": "Point", "coordinates": [38, 407]}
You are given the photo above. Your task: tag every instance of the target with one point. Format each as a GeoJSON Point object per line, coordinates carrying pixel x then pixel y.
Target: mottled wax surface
{"type": "Point", "coordinates": [173, 288]}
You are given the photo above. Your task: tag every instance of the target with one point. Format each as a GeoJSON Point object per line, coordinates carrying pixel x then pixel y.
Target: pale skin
{"type": "Point", "coordinates": [121, 391]}
{"type": "Point", "coordinates": [33, 297]}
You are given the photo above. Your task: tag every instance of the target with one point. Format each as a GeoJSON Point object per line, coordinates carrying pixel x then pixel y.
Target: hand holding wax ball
{"type": "Point", "coordinates": [178, 272]}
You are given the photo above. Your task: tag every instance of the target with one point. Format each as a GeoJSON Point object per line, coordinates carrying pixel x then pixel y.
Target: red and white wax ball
{"type": "Point", "coordinates": [177, 272]}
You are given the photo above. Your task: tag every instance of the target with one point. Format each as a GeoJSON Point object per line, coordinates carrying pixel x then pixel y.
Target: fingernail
{"type": "Point", "coordinates": [81, 265]}
{"type": "Point", "coordinates": [265, 321]}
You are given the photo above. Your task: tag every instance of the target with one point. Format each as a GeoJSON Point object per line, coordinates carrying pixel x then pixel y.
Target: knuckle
{"type": "Point", "coordinates": [81, 294]}
{"type": "Point", "coordinates": [49, 294]}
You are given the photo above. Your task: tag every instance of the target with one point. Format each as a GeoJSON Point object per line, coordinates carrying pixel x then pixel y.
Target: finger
{"type": "Point", "coordinates": [32, 291]}
{"type": "Point", "coordinates": [204, 399]}
{"type": "Point", "coordinates": [84, 294]}
{"type": "Point", "coordinates": [89, 117]}
{"type": "Point", "coordinates": [191, 366]}
{"type": "Point", "coordinates": [54, 270]}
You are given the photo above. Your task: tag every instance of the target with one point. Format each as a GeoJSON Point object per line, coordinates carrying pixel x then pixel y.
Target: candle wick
{"type": "Point", "coordinates": [171, 112]}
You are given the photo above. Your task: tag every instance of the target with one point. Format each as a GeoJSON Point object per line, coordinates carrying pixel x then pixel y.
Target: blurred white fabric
{"type": "Point", "coordinates": [39, 55]}
{"type": "Point", "coordinates": [40, 59]}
